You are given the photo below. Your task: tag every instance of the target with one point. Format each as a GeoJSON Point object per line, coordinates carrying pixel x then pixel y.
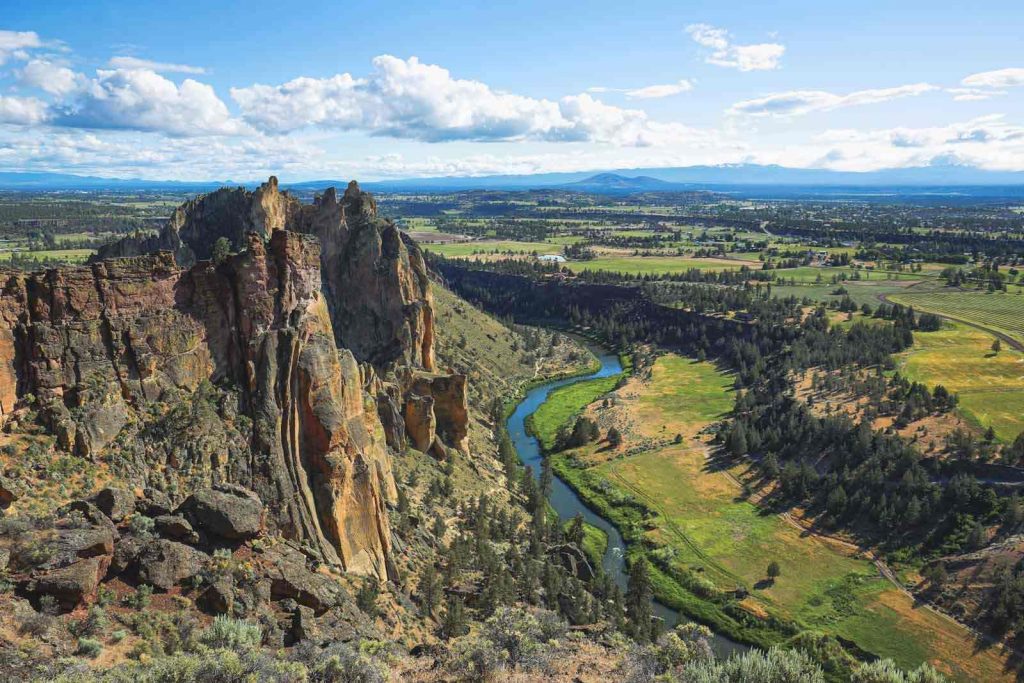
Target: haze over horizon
{"type": "Point", "coordinates": [107, 89]}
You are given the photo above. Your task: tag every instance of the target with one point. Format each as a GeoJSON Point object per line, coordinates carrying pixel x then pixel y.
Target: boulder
{"type": "Point", "coordinates": [304, 626]}
{"type": "Point", "coordinates": [154, 503]}
{"type": "Point", "coordinates": [574, 560]}
{"type": "Point", "coordinates": [295, 581]}
{"type": "Point", "coordinates": [72, 585]}
{"type": "Point", "coordinates": [115, 502]}
{"type": "Point", "coordinates": [229, 512]}
{"type": "Point", "coordinates": [176, 527]}
{"type": "Point", "coordinates": [8, 492]}
{"type": "Point", "coordinates": [164, 563]}
{"type": "Point", "coordinates": [218, 597]}
{"type": "Point", "coordinates": [126, 554]}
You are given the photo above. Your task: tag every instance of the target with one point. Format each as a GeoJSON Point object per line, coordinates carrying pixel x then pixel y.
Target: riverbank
{"type": "Point", "coordinates": [708, 545]}
{"type": "Point", "coordinates": [567, 504]}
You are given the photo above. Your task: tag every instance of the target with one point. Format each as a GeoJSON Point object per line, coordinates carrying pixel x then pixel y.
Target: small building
{"type": "Point", "coordinates": [551, 258]}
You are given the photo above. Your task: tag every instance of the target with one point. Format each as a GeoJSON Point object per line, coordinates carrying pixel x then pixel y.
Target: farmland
{"type": "Point", "coordinates": [704, 536]}
{"type": "Point", "coordinates": [998, 311]}
{"type": "Point", "coordinates": [990, 385]}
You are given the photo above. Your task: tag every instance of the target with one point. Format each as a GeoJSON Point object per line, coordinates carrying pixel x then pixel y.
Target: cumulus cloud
{"type": "Point", "coordinates": [15, 44]}
{"type": "Point", "coordinates": [159, 67]}
{"type": "Point", "coordinates": [408, 99]}
{"type": "Point", "coordinates": [649, 92]}
{"type": "Point", "coordinates": [723, 52]}
{"type": "Point", "coordinates": [1001, 78]}
{"type": "Point", "coordinates": [800, 102]}
{"type": "Point", "coordinates": [50, 77]}
{"type": "Point", "coordinates": [141, 99]}
{"type": "Point", "coordinates": [24, 111]}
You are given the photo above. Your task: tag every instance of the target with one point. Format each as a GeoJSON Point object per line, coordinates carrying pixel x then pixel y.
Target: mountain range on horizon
{"type": "Point", "coordinates": [615, 181]}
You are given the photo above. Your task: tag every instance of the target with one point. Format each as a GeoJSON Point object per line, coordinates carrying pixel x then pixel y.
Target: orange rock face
{"type": "Point", "coordinates": [318, 327]}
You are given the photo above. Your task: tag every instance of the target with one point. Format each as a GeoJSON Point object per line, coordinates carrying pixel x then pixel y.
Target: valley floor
{"type": "Point", "coordinates": [704, 534]}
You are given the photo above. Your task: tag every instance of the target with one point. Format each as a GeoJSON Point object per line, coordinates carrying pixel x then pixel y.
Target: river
{"type": "Point", "coordinates": [567, 504]}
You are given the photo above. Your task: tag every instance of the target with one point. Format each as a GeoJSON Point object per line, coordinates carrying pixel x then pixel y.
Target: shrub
{"type": "Point", "coordinates": [232, 634]}
{"type": "Point", "coordinates": [89, 647]}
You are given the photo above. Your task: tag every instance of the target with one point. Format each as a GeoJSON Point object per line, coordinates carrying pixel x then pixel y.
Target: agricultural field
{"type": "Point", "coordinates": [492, 248]}
{"type": "Point", "coordinates": [704, 526]}
{"type": "Point", "coordinates": [658, 265]}
{"type": "Point", "coordinates": [862, 292]}
{"type": "Point", "coordinates": [996, 311]}
{"type": "Point", "coordinates": [990, 385]}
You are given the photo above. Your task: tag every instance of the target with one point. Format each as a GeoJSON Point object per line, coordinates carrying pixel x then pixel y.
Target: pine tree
{"type": "Point", "coordinates": [429, 590]}
{"type": "Point", "coordinates": [546, 478]}
{"type": "Point", "coordinates": [638, 600]}
{"type": "Point", "coordinates": [454, 624]}
{"type": "Point", "coordinates": [737, 441]}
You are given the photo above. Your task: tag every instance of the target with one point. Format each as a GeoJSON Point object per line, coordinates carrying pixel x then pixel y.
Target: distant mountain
{"type": "Point", "coordinates": [750, 179]}
{"type": "Point", "coordinates": [66, 181]}
{"type": "Point", "coordinates": [613, 183]}
{"type": "Point", "coordinates": [755, 178]}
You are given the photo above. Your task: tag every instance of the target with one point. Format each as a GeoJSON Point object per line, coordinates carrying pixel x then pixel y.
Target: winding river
{"type": "Point", "coordinates": [565, 501]}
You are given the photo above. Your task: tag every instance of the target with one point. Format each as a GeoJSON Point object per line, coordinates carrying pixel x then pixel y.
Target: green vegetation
{"type": "Point", "coordinates": [998, 311]}
{"type": "Point", "coordinates": [595, 543]}
{"type": "Point", "coordinates": [990, 385]}
{"type": "Point", "coordinates": [703, 539]}
{"type": "Point", "coordinates": [662, 265]}
{"type": "Point", "coordinates": [565, 402]}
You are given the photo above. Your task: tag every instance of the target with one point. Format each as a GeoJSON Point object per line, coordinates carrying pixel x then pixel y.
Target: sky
{"type": "Point", "coordinates": [312, 90]}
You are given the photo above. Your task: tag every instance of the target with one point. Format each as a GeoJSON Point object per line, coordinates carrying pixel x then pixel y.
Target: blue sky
{"type": "Point", "coordinates": [202, 90]}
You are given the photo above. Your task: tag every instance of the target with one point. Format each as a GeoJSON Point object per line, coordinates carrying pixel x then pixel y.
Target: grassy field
{"type": "Point", "coordinates": [1001, 312]}
{"type": "Point", "coordinates": [861, 291]}
{"type": "Point", "coordinates": [655, 265]}
{"type": "Point", "coordinates": [565, 402]}
{"type": "Point", "coordinates": [703, 537]}
{"type": "Point", "coordinates": [466, 249]}
{"type": "Point", "coordinates": [990, 385]}
{"type": "Point", "coordinates": [65, 255]}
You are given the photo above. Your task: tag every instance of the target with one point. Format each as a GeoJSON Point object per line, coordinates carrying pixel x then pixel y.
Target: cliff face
{"type": "Point", "coordinates": [374, 279]}
{"type": "Point", "coordinates": [290, 367]}
{"type": "Point", "coordinates": [96, 345]}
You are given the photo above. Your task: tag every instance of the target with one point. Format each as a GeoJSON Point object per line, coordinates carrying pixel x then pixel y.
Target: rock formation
{"type": "Point", "coordinates": [374, 278]}
{"type": "Point", "coordinates": [288, 368]}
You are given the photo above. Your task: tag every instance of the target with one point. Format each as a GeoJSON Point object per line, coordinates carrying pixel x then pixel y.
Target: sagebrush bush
{"type": "Point", "coordinates": [232, 634]}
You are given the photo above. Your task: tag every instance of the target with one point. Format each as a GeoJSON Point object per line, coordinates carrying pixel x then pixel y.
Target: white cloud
{"type": "Point", "coordinates": [754, 57]}
{"type": "Point", "coordinates": [160, 67]}
{"type": "Point", "coordinates": [50, 77]}
{"type": "Point", "coordinates": [1001, 78]}
{"type": "Point", "coordinates": [986, 142]}
{"type": "Point", "coordinates": [25, 111]}
{"type": "Point", "coordinates": [140, 99]}
{"type": "Point", "coordinates": [649, 92]}
{"type": "Point", "coordinates": [16, 44]}
{"type": "Point", "coordinates": [800, 102]}
{"type": "Point", "coordinates": [973, 94]}
{"type": "Point", "coordinates": [409, 99]}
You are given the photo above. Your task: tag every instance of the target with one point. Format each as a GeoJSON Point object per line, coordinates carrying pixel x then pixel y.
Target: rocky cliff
{"type": "Point", "coordinates": [286, 368]}
{"type": "Point", "coordinates": [374, 278]}
{"type": "Point", "coordinates": [98, 346]}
